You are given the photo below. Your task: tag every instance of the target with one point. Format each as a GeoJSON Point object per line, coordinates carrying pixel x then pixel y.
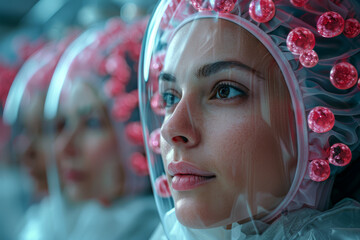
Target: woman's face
{"type": "Point", "coordinates": [31, 144]}
{"type": "Point", "coordinates": [86, 148]}
{"type": "Point", "coordinates": [225, 138]}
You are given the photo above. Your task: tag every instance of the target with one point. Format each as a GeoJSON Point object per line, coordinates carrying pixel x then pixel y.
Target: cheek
{"type": "Point", "coordinates": [245, 149]}
{"type": "Point", "coordinates": [165, 151]}
{"type": "Point", "coordinates": [96, 149]}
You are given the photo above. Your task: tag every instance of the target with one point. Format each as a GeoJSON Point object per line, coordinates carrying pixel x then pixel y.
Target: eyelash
{"type": "Point", "coordinates": [169, 97]}
{"type": "Point", "coordinates": [232, 86]}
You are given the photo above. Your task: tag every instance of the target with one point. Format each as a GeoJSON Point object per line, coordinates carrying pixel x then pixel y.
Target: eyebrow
{"type": "Point", "coordinates": [85, 110]}
{"type": "Point", "coordinates": [167, 77]}
{"type": "Point", "coordinates": [212, 68]}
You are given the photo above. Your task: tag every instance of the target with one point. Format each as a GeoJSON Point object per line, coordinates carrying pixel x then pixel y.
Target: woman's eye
{"type": "Point", "coordinates": [61, 124]}
{"type": "Point", "coordinates": [228, 91]}
{"type": "Point", "coordinates": [169, 99]}
{"type": "Point", "coordinates": [93, 122]}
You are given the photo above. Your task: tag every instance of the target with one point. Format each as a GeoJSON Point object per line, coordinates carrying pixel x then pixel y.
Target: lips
{"type": "Point", "coordinates": [73, 175]}
{"type": "Point", "coordinates": [187, 177]}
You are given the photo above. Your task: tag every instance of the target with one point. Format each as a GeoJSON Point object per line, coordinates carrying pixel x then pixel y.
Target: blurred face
{"type": "Point", "coordinates": [31, 143]}
{"type": "Point", "coordinates": [225, 140]}
{"type": "Point", "coordinates": [87, 147]}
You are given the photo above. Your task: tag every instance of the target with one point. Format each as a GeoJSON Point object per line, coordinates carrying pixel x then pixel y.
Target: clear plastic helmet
{"type": "Point", "coordinates": [249, 110]}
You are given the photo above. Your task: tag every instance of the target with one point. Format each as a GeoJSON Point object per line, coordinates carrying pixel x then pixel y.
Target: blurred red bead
{"type": "Point", "coordinates": [319, 170]}
{"type": "Point", "coordinates": [115, 63]}
{"type": "Point", "coordinates": [113, 87]}
{"type": "Point", "coordinates": [154, 141]}
{"type": "Point", "coordinates": [157, 104]}
{"type": "Point", "coordinates": [340, 154]}
{"type": "Point", "coordinates": [139, 164]}
{"type": "Point", "coordinates": [124, 106]}
{"type": "Point", "coordinates": [343, 75]}
{"type": "Point", "coordinates": [134, 133]}
{"type": "Point", "coordinates": [224, 6]}
{"type": "Point", "coordinates": [321, 119]}
{"type": "Point", "coordinates": [201, 5]}
{"type": "Point", "coordinates": [352, 28]}
{"type": "Point", "coordinates": [114, 25]}
{"type": "Point", "coordinates": [162, 187]}
{"type": "Point", "coordinates": [262, 10]}
{"type": "Point", "coordinates": [330, 24]}
{"type": "Point", "coordinates": [299, 40]}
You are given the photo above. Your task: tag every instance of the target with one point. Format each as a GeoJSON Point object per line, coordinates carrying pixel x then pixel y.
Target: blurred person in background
{"type": "Point", "coordinates": [24, 113]}
{"type": "Point", "coordinates": [16, 187]}
{"type": "Point", "coordinates": [99, 147]}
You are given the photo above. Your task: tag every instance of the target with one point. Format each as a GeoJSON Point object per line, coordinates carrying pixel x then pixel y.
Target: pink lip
{"type": "Point", "coordinates": [74, 175]}
{"type": "Point", "coordinates": [187, 177]}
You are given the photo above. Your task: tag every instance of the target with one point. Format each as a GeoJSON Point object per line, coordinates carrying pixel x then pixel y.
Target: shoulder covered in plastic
{"type": "Point", "coordinates": [158, 233]}
{"type": "Point", "coordinates": [340, 222]}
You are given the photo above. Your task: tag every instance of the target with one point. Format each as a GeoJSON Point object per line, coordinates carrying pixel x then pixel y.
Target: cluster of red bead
{"type": "Point", "coordinates": [343, 76]}
{"type": "Point", "coordinates": [23, 49]}
{"type": "Point", "coordinates": [7, 75]}
{"type": "Point", "coordinates": [339, 155]}
{"type": "Point", "coordinates": [321, 120]}
{"type": "Point", "coordinates": [301, 41]}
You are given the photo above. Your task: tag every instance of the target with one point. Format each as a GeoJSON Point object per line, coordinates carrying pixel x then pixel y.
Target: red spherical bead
{"type": "Point", "coordinates": [134, 133]}
{"type": "Point", "coordinates": [321, 119]}
{"type": "Point", "coordinates": [358, 85]}
{"type": "Point", "coordinates": [124, 106]}
{"type": "Point", "coordinates": [154, 141]}
{"type": "Point", "coordinates": [352, 28]}
{"type": "Point", "coordinates": [139, 164]}
{"type": "Point", "coordinates": [224, 6]}
{"type": "Point", "coordinates": [201, 5]}
{"type": "Point", "coordinates": [162, 187]}
{"type": "Point", "coordinates": [299, 40]}
{"type": "Point", "coordinates": [262, 10]}
{"type": "Point", "coordinates": [343, 75]}
{"type": "Point", "coordinates": [309, 58]}
{"type": "Point", "coordinates": [340, 154]}
{"type": "Point", "coordinates": [298, 3]}
{"type": "Point", "coordinates": [319, 170]}
{"type": "Point", "coordinates": [113, 87]}
{"type": "Point", "coordinates": [330, 24]}
{"type": "Point", "coordinates": [157, 104]}
{"type": "Point", "coordinates": [157, 62]}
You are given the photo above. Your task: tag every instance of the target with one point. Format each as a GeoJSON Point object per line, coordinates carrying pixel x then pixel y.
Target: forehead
{"type": "Point", "coordinates": [81, 95]}
{"type": "Point", "coordinates": [32, 109]}
{"type": "Point", "coordinates": [209, 40]}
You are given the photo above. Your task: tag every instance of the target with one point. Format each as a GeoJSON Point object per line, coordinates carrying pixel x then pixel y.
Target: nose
{"type": "Point", "coordinates": [29, 153]}
{"type": "Point", "coordinates": [66, 142]}
{"type": "Point", "coordinates": [182, 128]}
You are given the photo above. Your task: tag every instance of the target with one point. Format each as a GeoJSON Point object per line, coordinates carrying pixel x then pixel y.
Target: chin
{"type": "Point", "coordinates": [75, 194]}
{"type": "Point", "coordinates": [202, 213]}
{"type": "Point", "coordinates": [196, 214]}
